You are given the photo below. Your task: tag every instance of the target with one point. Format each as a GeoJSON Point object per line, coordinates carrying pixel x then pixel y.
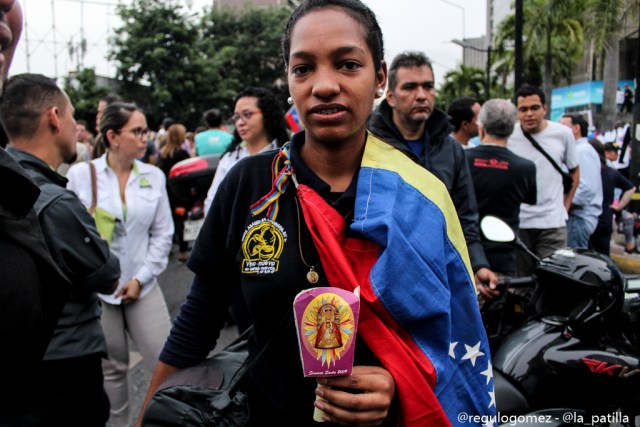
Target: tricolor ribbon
{"type": "Point", "coordinates": [281, 172]}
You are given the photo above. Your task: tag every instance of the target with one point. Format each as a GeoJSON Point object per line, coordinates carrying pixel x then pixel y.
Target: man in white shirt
{"type": "Point", "coordinates": [586, 205]}
{"type": "Point", "coordinates": [543, 225]}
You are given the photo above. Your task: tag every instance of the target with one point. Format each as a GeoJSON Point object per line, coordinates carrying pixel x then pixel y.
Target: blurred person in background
{"type": "Point", "coordinates": [170, 154]}
{"type": "Point", "coordinates": [463, 113]}
{"type": "Point", "coordinates": [612, 180]}
{"type": "Point", "coordinates": [259, 126]}
{"type": "Point", "coordinates": [214, 140]}
{"type": "Point", "coordinates": [99, 147]}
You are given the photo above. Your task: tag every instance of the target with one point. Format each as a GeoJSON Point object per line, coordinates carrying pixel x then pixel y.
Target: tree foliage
{"type": "Point", "coordinates": [191, 65]}
{"type": "Point", "coordinates": [84, 94]}
{"type": "Point", "coordinates": [603, 23]}
{"type": "Point", "coordinates": [553, 41]}
{"type": "Point", "coordinates": [155, 47]}
{"type": "Point", "coordinates": [242, 48]}
{"type": "Point", "coordinates": [464, 81]}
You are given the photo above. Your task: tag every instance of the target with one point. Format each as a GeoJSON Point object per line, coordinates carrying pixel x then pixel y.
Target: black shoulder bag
{"type": "Point", "coordinates": [212, 393]}
{"type": "Point", "coordinates": [567, 180]}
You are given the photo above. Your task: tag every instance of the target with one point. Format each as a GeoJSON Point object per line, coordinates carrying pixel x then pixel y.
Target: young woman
{"type": "Point", "coordinates": [171, 153]}
{"type": "Point", "coordinates": [259, 126]}
{"type": "Point", "coordinates": [135, 193]}
{"type": "Point", "coordinates": [410, 365]}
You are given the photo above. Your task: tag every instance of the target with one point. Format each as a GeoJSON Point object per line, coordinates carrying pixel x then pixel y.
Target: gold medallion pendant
{"type": "Point", "coordinates": [312, 276]}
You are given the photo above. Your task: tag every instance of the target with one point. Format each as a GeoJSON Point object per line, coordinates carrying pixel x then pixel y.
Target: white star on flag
{"type": "Point", "coordinates": [488, 372]}
{"type": "Point", "coordinates": [451, 347]}
{"type": "Point", "coordinates": [492, 395]}
{"type": "Point", "coordinates": [472, 353]}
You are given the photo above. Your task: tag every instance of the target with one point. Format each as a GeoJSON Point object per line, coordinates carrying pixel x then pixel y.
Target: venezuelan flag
{"type": "Point", "coordinates": [293, 120]}
{"type": "Point", "coordinates": [419, 312]}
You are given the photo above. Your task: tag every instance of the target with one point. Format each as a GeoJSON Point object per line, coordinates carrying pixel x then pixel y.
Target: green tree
{"type": "Point", "coordinates": [554, 37]}
{"type": "Point", "coordinates": [464, 81]}
{"type": "Point", "coordinates": [604, 20]}
{"type": "Point", "coordinates": [189, 65]}
{"type": "Point", "coordinates": [242, 48]}
{"type": "Point", "coordinates": [155, 47]}
{"type": "Point", "coordinates": [84, 94]}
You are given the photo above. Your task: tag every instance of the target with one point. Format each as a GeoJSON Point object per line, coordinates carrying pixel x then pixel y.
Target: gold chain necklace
{"type": "Point", "coordinates": [312, 275]}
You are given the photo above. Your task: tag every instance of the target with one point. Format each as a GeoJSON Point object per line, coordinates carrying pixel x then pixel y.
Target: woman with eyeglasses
{"type": "Point", "coordinates": [259, 126]}
{"type": "Point", "coordinates": [135, 194]}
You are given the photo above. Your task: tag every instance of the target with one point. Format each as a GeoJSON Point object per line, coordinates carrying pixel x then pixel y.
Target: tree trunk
{"type": "Point", "coordinates": [610, 85]}
{"type": "Point", "coordinates": [547, 79]}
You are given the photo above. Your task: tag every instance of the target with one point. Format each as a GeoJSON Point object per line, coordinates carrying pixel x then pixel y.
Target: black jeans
{"type": "Point", "coordinates": [600, 240]}
{"type": "Point", "coordinates": [74, 392]}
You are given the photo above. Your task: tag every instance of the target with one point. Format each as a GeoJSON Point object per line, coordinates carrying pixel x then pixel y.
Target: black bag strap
{"type": "Point", "coordinates": [243, 376]}
{"type": "Point", "coordinates": [544, 153]}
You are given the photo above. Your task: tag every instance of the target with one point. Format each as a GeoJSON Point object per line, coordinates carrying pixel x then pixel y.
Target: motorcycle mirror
{"type": "Point", "coordinates": [496, 230]}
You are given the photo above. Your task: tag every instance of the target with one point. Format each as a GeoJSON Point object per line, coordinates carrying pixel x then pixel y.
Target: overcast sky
{"type": "Point", "coordinates": [426, 25]}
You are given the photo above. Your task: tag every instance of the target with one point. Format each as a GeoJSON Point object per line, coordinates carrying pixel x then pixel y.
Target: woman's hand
{"type": "Point", "coordinates": [368, 407]}
{"type": "Point", "coordinates": [130, 292]}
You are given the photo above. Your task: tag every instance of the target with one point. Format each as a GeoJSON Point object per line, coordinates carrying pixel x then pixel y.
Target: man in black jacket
{"type": "Point", "coordinates": [408, 120]}
{"type": "Point", "coordinates": [38, 118]}
{"type": "Point", "coordinates": [33, 289]}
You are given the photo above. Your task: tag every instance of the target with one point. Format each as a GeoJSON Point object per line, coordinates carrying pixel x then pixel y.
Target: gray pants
{"type": "Point", "coordinates": [542, 242]}
{"type": "Point", "coordinates": [148, 323]}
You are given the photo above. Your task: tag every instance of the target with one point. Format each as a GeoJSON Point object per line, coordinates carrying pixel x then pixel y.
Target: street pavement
{"type": "Point", "coordinates": [175, 283]}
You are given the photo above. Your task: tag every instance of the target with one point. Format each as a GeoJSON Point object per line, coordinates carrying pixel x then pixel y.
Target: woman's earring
{"type": "Point", "coordinates": [379, 93]}
{"type": "Point", "coordinates": [290, 100]}
{"type": "Point", "coordinates": [116, 145]}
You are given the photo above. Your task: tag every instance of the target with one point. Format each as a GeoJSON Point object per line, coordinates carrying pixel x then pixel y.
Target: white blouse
{"type": "Point", "coordinates": [142, 240]}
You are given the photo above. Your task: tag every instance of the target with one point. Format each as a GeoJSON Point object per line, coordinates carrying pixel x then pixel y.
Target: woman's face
{"type": "Point", "coordinates": [249, 121]}
{"type": "Point", "coordinates": [131, 141]}
{"type": "Point", "coordinates": [332, 76]}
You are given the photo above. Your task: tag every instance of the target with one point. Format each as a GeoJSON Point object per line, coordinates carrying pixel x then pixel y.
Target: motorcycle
{"type": "Point", "coordinates": [574, 356]}
{"type": "Point", "coordinates": [188, 183]}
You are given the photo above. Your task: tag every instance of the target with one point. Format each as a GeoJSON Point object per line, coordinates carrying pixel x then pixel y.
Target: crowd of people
{"type": "Point", "coordinates": [90, 222]}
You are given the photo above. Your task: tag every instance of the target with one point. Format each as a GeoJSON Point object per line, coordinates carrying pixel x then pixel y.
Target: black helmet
{"type": "Point", "coordinates": [580, 284]}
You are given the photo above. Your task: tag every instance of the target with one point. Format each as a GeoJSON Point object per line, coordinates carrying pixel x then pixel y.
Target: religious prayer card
{"type": "Point", "coordinates": [327, 321]}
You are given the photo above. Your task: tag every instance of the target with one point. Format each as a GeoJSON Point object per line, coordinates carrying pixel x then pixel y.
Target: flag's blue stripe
{"type": "Point", "coordinates": [425, 283]}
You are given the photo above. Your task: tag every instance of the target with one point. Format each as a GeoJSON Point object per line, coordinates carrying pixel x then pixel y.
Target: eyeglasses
{"type": "Point", "coordinates": [533, 108]}
{"type": "Point", "coordinates": [137, 132]}
{"type": "Point", "coordinates": [244, 115]}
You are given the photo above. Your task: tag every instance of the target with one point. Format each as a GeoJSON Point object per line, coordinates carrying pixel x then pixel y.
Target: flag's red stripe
{"type": "Point", "coordinates": [347, 264]}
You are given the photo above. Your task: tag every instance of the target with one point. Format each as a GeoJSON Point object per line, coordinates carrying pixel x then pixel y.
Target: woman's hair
{"type": "Point", "coordinates": [115, 117]}
{"type": "Point", "coordinates": [355, 9]}
{"type": "Point", "coordinates": [599, 147]}
{"type": "Point", "coordinates": [176, 135]}
{"type": "Point", "coordinates": [272, 115]}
